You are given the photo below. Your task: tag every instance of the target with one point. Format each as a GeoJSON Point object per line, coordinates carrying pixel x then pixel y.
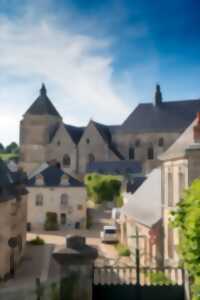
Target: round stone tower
{"type": "Point", "coordinates": [37, 128]}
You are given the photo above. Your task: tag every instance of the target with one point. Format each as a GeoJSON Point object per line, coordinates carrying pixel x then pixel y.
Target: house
{"type": "Point", "coordinates": [146, 133]}
{"type": "Point", "coordinates": [13, 219]}
{"type": "Point", "coordinates": [142, 212]}
{"type": "Point", "coordinates": [51, 190]}
{"type": "Point", "coordinates": [180, 166]}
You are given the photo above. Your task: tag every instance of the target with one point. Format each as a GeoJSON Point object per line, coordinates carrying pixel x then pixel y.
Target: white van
{"type": "Point", "coordinates": [109, 234]}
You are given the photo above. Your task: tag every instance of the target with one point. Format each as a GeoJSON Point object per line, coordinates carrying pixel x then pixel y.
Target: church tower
{"type": "Point", "coordinates": [37, 127]}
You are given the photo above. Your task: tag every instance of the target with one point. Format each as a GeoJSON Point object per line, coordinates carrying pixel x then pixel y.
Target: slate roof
{"type": "Point", "coordinates": [165, 117]}
{"type": "Point", "coordinates": [178, 148]}
{"type": "Point", "coordinates": [115, 167]}
{"type": "Point", "coordinates": [42, 105]}
{"type": "Point", "coordinates": [11, 183]}
{"type": "Point", "coordinates": [52, 176]}
{"type": "Point", "coordinates": [144, 206]}
{"type": "Point", "coordinates": [74, 132]}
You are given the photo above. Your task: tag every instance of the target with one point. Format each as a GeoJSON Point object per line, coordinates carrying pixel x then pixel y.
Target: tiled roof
{"type": "Point", "coordinates": [115, 167]}
{"type": "Point", "coordinates": [42, 105]}
{"type": "Point", "coordinates": [178, 148]}
{"type": "Point", "coordinates": [52, 176]}
{"type": "Point", "coordinates": [144, 206]}
{"type": "Point", "coordinates": [74, 132]}
{"type": "Point", "coordinates": [166, 117]}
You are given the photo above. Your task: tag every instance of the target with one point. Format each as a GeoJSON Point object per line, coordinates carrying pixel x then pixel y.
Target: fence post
{"type": "Point", "coordinates": [76, 269]}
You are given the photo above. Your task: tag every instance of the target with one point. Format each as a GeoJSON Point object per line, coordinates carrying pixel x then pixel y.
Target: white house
{"type": "Point", "coordinates": [53, 190]}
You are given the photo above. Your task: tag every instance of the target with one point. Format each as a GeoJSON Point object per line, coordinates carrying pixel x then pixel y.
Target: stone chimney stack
{"type": "Point", "coordinates": [158, 96]}
{"type": "Point", "coordinates": [196, 129]}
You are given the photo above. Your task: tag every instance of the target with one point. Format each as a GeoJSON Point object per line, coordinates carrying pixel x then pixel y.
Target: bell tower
{"type": "Point", "coordinates": [36, 129]}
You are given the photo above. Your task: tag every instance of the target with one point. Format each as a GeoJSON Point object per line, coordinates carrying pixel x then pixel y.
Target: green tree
{"type": "Point", "coordinates": [12, 148]}
{"type": "Point", "coordinates": [102, 188]}
{"type": "Point", "coordinates": [2, 149]}
{"type": "Point", "coordinates": [186, 218]}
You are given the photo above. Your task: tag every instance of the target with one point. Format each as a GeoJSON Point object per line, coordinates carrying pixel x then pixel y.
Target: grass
{"type": "Point", "coordinates": [122, 250]}
{"type": "Point", "coordinates": [7, 156]}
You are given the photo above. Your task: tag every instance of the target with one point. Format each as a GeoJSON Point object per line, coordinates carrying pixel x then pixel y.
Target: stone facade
{"type": "Point", "coordinates": [13, 218]}
{"type": "Point", "coordinates": [149, 130]}
{"type": "Point", "coordinates": [70, 214]}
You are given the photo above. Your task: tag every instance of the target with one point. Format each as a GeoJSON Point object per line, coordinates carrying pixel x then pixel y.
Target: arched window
{"type": "Point", "coordinates": [39, 200]}
{"type": "Point", "coordinates": [66, 160]}
{"type": "Point", "coordinates": [64, 199]}
{"type": "Point", "coordinates": [91, 158]}
{"type": "Point", "coordinates": [131, 153]}
{"type": "Point", "coordinates": [161, 142]}
{"type": "Point", "coordinates": [150, 153]}
{"type": "Point", "coordinates": [137, 143]}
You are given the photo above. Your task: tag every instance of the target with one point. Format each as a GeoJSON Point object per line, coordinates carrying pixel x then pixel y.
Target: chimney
{"type": "Point", "coordinates": [158, 96]}
{"type": "Point", "coordinates": [196, 129]}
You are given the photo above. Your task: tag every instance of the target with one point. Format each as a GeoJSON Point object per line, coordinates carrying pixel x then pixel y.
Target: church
{"type": "Point", "coordinates": [146, 133]}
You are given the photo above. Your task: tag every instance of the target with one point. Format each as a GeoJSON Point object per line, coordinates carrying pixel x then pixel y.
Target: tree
{"type": "Point", "coordinates": [187, 219]}
{"type": "Point", "coordinates": [102, 188]}
{"type": "Point", "coordinates": [12, 148]}
{"type": "Point", "coordinates": [1, 148]}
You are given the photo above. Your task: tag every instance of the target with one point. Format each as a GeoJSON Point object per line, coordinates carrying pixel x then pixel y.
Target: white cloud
{"type": "Point", "coordinates": [77, 69]}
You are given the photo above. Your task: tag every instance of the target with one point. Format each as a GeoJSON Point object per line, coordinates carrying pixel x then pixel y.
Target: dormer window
{"type": "Point", "coordinates": [65, 180]}
{"type": "Point", "coordinates": [66, 161]}
{"type": "Point", "coordinates": [161, 142]}
{"type": "Point", "coordinates": [39, 180]}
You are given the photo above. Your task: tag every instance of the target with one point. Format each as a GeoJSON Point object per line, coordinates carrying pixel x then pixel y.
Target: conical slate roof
{"type": "Point", "coordinates": [42, 105]}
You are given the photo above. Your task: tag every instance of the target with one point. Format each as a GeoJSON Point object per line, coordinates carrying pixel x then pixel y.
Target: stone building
{"type": "Point", "coordinates": [180, 166]}
{"type": "Point", "coordinates": [53, 191]}
{"type": "Point", "coordinates": [13, 216]}
{"type": "Point", "coordinates": [147, 132]}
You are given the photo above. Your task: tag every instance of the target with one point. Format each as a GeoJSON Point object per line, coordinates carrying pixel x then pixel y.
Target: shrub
{"type": "Point", "coordinates": [159, 278]}
{"type": "Point", "coordinates": [123, 250]}
{"type": "Point", "coordinates": [119, 201]}
{"type": "Point", "coordinates": [37, 241]}
{"type": "Point", "coordinates": [51, 222]}
{"type": "Point", "coordinates": [102, 188]}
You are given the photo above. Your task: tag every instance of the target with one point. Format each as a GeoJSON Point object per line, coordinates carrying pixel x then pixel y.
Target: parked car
{"type": "Point", "coordinates": [109, 234]}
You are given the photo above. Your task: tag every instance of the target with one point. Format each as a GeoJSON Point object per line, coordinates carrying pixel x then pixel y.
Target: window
{"type": "Point", "coordinates": [161, 142]}
{"type": "Point", "coordinates": [87, 141]}
{"type": "Point", "coordinates": [58, 143]}
{"type": "Point", "coordinates": [80, 207]}
{"type": "Point", "coordinates": [150, 153]}
{"type": "Point", "coordinates": [64, 199]}
{"type": "Point", "coordinates": [131, 153]}
{"type": "Point", "coordinates": [181, 184]}
{"type": "Point", "coordinates": [170, 242]}
{"type": "Point", "coordinates": [66, 160]}
{"type": "Point", "coordinates": [39, 200]}
{"type": "Point", "coordinates": [137, 143]}
{"type": "Point", "coordinates": [62, 219]}
{"type": "Point", "coordinates": [170, 190]}
{"type": "Point", "coordinates": [91, 158]}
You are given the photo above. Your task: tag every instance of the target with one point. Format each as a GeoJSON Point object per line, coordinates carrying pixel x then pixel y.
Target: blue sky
{"type": "Point", "coordinates": [97, 58]}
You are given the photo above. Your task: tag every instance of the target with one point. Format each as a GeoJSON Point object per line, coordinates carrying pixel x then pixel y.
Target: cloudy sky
{"type": "Point", "coordinates": [98, 59]}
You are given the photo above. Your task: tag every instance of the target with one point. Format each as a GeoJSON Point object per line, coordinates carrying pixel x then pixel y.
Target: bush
{"type": "Point", "coordinates": [123, 250]}
{"type": "Point", "coordinates": [37, 241]}
{"type": "Point", "coordinates": [51, 222]}
{"type": "Point", "coordinates": [159, 278]}
{"type": "Point", "coordinates": [102, 188]}
{"type": "Point", "coordinates": [119, 201]}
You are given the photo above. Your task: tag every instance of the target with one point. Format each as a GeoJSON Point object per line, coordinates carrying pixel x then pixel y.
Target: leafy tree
{"type": "Point", "coordinates": [12, 148]}
{"type": "Point", "coordinates": [102, 188]}
{"type": "Point", "coordinates": [1, 148]}
{"type": "Point", "coordinates": [187, 219]}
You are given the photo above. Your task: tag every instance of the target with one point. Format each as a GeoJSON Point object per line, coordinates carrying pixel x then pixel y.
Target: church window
{"type": "Point", "coordinates": [87, 141]}
{"type": "Point", "coordinates": [137, 143]}
{"type": "Point", "coordinates": [131, 153]}
{"type": "Point", "coordinates": [39, 200]}
{"type": "Point", "coordinates": [66, 160]}
{"type": "Point", "coordinates": [64, 200]}
{"type": "Point", "coordinates": [91, 158]}
{"type": "Point", "coordinates": [161, 142]}
{"type": "Point", "coordinates": [150, 153]}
